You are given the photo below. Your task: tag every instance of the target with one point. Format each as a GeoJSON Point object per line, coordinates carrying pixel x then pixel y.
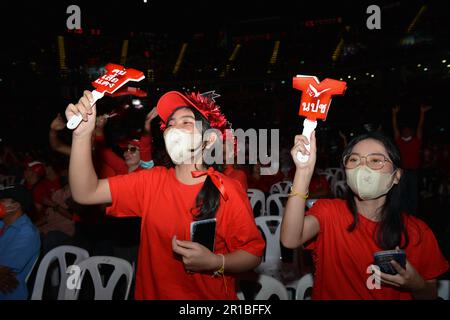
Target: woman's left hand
{"type": "Point", "coordinates": [196, 257]}
{"type": "Point", "coordinates": [408, 278]}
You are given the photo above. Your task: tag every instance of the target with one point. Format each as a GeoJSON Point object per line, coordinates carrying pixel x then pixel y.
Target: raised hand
{"type": "Point", "coordinates": [83, 107]}
{"type": "Point", "coordinates": [300, 143]}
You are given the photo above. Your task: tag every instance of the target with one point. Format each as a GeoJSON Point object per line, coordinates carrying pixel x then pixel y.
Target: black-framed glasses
{"type": "Point", "coordinates": [374, 161]}
{"type": "Point", "coordinates": [131, 149]}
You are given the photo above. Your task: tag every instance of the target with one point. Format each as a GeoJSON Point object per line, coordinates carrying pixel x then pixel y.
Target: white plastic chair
{"type": "Point", "coordinates": [276, 199]}
{"type": "Point", "coordinates": [59, 254]}
{"type": "Point", "coordinates": [257, 196]}
{"type": "Point", "coordinates": [121, 267]}
{"type": "Point", "coordinates": [338, 173]}
{"type": "Point", "coordinates": [271, 264]}
{"type": "Point", "coordinates": [329, 177]}
{"type": "Point", "coordinates": [340, 189]}
{"type": "Point", "coordinates": [444, 289]}
{"type": "Point", "coordinates": [269, 287]}
{"type": "Point", "coordinates": [283, 187]}
{"type": "Point", "coordinates": [333, 175]}
{"type": "Point", "coordinates": [305, 282]}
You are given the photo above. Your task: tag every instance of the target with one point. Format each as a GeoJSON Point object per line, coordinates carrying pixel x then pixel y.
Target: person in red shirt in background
{"type": "Point", "coordinates": [90, 231]}
{"type": "Point", "coordinates": [344, 235]}
{"type": "Point", "coordinates": [263, 182]}
{"type": "Point", "coordinates": [230, 156]}
{"type": "Point", "coordinates": [409, 143]}
{"type": "Point", "coordinates": [170, 266]}
{"type": "Point", "coordinates": [137, 153]}
{"type": "Point", "coordinates": [237, 174]}
{"type": "Point", "coordinates": [124, 233]}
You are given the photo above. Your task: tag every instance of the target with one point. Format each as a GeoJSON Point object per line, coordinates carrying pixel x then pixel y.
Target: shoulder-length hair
{"type": "Point", "coordinates": [391, 230]}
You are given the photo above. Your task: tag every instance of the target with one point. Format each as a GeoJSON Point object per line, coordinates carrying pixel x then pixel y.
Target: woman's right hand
{"type": "Point", "coordinates": [83, 107]}
{"type": "Point", "coordinates": [300, 143]}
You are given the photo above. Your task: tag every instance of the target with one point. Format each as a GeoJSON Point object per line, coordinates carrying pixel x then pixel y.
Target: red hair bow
{"type": "Point", "coordinates": [216, 179]}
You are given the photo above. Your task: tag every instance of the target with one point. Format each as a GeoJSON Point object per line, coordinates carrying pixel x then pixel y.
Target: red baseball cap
{"type": "Point", "coordinates": [133, 142]}
{"type": "Point", "coordinates": [207, 107]}
{"type": "Point", "coordinates": [171, 101]}
{"type": "Point", "coordinates": [37, 167]}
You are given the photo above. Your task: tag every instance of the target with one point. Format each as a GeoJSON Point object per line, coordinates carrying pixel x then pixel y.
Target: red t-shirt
{"type": "Point", "coordinates": [341, 257]}
{"type": "Point", "coordinates": [110, 164]}
{"type": "Point", "coordinates": [165, 205]}
{"type": "Point", "coordinates": [44, 189]}
{"type": "Point", "coordinates": [238, 175]}
{"type": "Point", "coordinates": [146, 147]}
{"type": "Point", "coordinates": [410, 152]}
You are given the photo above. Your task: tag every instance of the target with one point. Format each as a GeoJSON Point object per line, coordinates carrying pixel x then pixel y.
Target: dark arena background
{"type": "Point", "coordinates": [248, 52]}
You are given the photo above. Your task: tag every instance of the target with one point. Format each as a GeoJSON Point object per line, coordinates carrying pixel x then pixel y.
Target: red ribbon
{"type": "Point", "coordinates": [215, 178]}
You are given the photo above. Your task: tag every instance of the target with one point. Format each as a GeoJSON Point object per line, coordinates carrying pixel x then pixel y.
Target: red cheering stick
{"type": "Point", "coordinates": [315, 102]}
{"type": "Point", "coordinates": [116, 76]}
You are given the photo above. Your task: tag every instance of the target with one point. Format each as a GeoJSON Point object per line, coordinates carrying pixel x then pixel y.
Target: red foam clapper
{"type": "Point", "coordinates": [115, 77]}
{"type": "Point", "coordinates": [315, 102]}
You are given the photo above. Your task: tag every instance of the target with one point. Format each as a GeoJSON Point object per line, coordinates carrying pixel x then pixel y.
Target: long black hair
{"type": "Point", "coordinates": [208, 199]}
{"type": "Point", "coordinates": [391, 230]}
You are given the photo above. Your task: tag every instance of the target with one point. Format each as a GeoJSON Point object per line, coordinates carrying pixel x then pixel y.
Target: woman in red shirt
{"type": "Point", "coordinates": [170, 266]}
{"type": "Point", "coordinates": [344, 235]}
{"type": "Point", "coordinates": [137, 153]}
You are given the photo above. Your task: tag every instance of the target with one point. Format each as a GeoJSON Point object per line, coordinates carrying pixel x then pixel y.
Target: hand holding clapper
{"type": "Point", "coordinates": [116, 76]}
{"type": "Point", "coordinates": [315, 102]}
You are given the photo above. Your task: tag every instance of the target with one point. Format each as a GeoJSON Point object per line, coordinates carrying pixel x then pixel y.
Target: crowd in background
{"type": "Point", "coordinates": [394, 86]}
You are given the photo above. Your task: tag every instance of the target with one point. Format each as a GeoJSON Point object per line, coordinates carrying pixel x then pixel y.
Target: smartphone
{"type": "Point", "coordinates": [204, 232]}
{"type": "Point", "coordinates": [382, 260]}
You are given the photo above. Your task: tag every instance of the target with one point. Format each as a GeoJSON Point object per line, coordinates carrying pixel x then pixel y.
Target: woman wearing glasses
{"type": "Point", "coordinates": [344, 234]}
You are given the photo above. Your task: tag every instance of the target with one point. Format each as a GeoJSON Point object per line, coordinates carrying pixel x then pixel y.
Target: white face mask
{"type": "Point", "coordinates": [369, 184]}
{"type": "Point", "coordinates": [183, 146]}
